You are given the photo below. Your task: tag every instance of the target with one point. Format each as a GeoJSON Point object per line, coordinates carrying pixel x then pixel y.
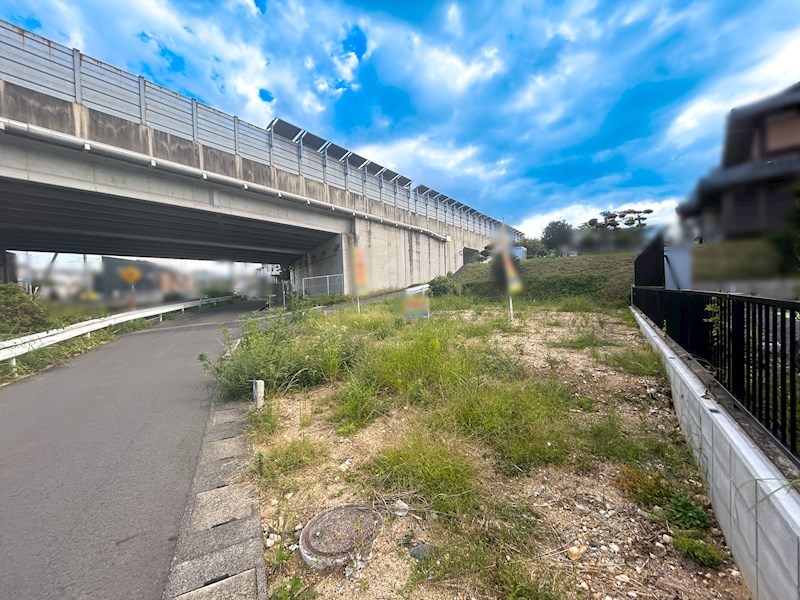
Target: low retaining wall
{"type": "Point", "coordinates": [757, 509]}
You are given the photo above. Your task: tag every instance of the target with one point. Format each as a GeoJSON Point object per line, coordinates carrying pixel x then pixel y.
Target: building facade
{"type": "Point", "coordinates": [756, 187]}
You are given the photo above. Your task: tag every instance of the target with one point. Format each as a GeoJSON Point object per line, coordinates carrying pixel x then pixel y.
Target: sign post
{"type": "Point", "coordinates": [513, 282]}
{"type": "Point", "coordinates": [361, 276]}
{"type": "Point", "coordinates": [131, 275]}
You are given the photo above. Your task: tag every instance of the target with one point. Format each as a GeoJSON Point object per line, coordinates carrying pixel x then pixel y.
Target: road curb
{"type": "Point", "coordinates": [219, 553]}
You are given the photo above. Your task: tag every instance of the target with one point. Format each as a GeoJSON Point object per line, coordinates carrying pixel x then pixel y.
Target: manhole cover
{"type": "Point", "coordinates": [340, 535]}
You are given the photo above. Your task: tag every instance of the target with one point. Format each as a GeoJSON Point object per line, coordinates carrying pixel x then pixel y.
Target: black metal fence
{"type": "Point", "coordinates": [748, 344]}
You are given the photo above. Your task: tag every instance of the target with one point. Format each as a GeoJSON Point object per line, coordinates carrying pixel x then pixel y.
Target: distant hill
{"type": "Point", "coordinates": [605, 277]}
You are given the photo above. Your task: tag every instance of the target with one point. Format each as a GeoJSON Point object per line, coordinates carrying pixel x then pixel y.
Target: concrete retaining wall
{"type": "Point", "coordinates": [756, 508]}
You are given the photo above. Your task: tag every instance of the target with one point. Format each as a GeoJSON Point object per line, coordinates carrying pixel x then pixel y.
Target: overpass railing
{"type": "Point", "coordinates": [11, 349]}
{"type": "Point", "coordinates": [36, 63]}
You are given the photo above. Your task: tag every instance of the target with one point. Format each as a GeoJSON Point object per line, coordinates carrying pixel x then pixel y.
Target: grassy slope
{"type": "Point", "coordinates": [605, 277]}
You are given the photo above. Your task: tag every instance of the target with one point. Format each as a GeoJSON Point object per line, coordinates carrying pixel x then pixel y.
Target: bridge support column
{"type": "Point", "coordinates": [331, 258]}
{"type": "Point", "coordinates": [8, 266]}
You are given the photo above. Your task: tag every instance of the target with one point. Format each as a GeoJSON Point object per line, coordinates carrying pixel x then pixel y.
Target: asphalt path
{"type": "Point", "coordinates": [96, 462]}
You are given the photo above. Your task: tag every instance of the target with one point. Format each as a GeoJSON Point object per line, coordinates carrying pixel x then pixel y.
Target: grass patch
{"type": "Point", "coordinates": [282, 459]}
{"type": "Point", "coordinates": [581, 341]}
{"type": "Point", "coordinates": [356, 405]}
{"type": "Point", "coordinates": [699, 551]}
{"type": "Point", "coordinates": [636, 361]}
{"type": "Point", "coordinates": [433, 469]}
{"type": "Point", "coordinates": [677, 509]}
{"type": "Point", "coordinates": [648, 490]}
{"type": "Point", "coordinates": [293, 589]}
{"type": "Point", "coordinates": [284, 355]}
{"type": "Point", "coordinates": [526, 423]}
{"type": "Point", "coordinates": [578, 304]}
{"type": "Point", "coordinates": [481, 568]}
{"type": "Point", "coordinates": [604, 277]}
{"type": "Point", "coordinates": [605, 439]}
{"type": "Point", "coordinates": [261, 424]}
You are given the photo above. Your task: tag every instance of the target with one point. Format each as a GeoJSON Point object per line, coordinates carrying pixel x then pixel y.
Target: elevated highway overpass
{"type": "Point", "coordinates": [97, 160]}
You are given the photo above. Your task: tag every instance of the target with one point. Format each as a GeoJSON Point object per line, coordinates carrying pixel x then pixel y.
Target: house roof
{"type": "Point", "coordinates": [737, 168]}
{"type": "Point", "coordinates": [780, 168]}
{"type": "Point", "coordinates": [743, 122]}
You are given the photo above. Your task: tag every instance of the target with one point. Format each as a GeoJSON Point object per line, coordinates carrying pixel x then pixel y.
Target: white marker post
{"type": "Point", "coordinates": [258, 393]}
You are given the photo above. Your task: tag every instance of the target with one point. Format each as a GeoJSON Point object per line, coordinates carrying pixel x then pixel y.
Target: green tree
{"type": "Point", "coordinates": [535, 248]}
{"type": "Point", "coordinates": [612, 219]}
{"type": "Point", "coordinates": [556, 235]}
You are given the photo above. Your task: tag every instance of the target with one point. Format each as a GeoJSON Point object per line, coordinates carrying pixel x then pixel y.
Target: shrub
{"type": "Point", "coordinates": [445, 286]}
{"type": "Point", "coordinates": [21, 313]}
{"type": "Point", "coordinates": [276, 354]}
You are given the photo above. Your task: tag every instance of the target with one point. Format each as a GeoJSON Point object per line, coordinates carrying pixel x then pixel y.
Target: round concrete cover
{"type": "Point", "coordinates": [340, 535]}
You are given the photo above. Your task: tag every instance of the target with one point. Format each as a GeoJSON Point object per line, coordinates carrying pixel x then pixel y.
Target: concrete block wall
{"type": "Point", "coordinates": [757, 509]}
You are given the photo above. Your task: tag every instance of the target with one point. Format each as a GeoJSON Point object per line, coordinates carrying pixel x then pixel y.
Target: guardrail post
{"type": "Point", "coordinates": [13, 363]}
{"type": "Point", "coordinates": [328, 283]}
{"type": "Point", "coordinates": [76, 74]}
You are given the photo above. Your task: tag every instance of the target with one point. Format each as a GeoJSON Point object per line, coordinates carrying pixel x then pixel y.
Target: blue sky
{"type": "Point", "coordinates": [527, 111]}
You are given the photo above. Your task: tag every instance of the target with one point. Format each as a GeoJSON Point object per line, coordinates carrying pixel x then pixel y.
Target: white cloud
{"type": "Point", "coordinates": [576, 214]}
{"type": "Point", "coordinates": [443, 67]}
{"type": "Point", "coordinates": [70, 17]}
{"type": "Point", "coordinates": [346, 65]}
{"type": "Point", "coordinates": [549, 89]}
{"type": "Point", "coordinates": [453, 20]}
{"type": "Point", "coordinates": [416, 155]}
{"type": "Point", "coordinates": [705, 114]}
{"type": "Point", "coordinates": [247, 5]}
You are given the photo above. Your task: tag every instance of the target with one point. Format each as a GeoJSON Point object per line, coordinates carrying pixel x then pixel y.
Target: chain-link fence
{"type": "Point", "coordinates": [323, 285]}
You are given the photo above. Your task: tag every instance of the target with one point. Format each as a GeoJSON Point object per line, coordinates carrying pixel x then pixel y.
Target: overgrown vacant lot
{"type": "Point", "coordinates": [541, 460]}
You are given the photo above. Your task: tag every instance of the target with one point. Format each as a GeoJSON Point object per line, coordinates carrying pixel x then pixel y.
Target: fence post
{"type": "Point", "coordinates": [142, 101]}
{"type": "Point", "coordinates": [236, 135]}
{"type": "Point", "coordinates": [328, 283]}
{"type": "Point", "coordinates": [194, 120]}
{"type": "Point", "coordinates": [76, 72]}
{"type": "Point", "coordinates": [737, 348]}
{"type": "Point", "coordinates": [271, 139]}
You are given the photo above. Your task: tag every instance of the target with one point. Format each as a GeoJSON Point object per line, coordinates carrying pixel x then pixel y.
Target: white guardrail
{"type": "Point", "coordinates": [11, 349]}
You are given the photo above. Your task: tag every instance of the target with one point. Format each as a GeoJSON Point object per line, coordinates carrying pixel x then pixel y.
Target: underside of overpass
{"type": "Point", "coordinates": [46, 218]}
